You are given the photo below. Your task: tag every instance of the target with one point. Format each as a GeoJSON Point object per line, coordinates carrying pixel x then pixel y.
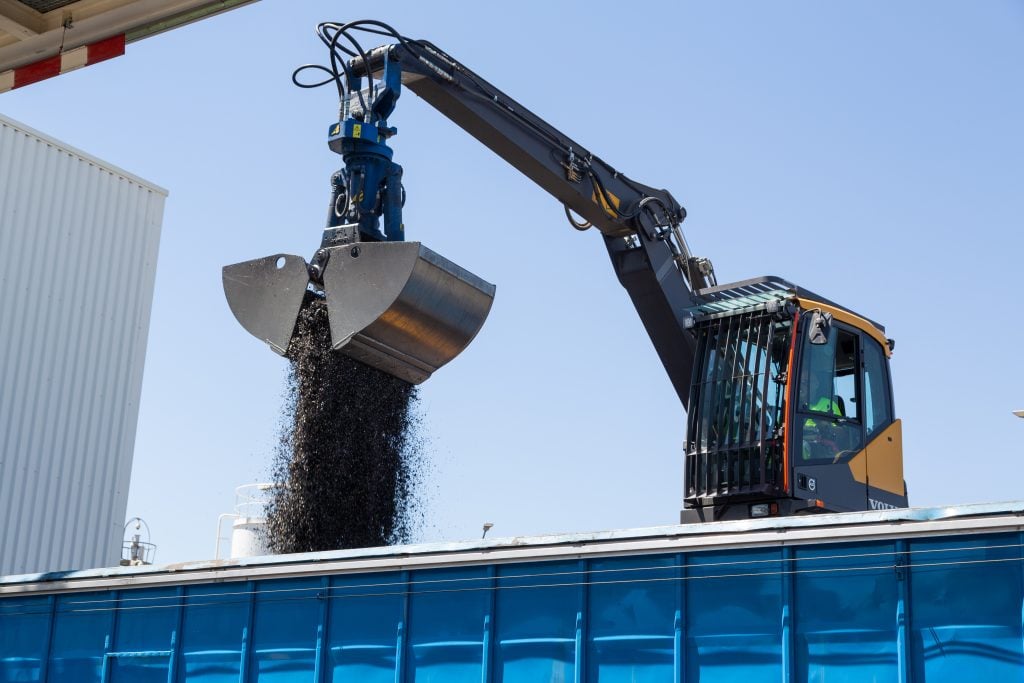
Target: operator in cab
{"type": "Point", "coordinates": [819, 433]}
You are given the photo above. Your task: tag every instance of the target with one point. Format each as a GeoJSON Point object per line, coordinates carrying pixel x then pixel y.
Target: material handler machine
{"type": "Point", "coordinates": [788, 395]}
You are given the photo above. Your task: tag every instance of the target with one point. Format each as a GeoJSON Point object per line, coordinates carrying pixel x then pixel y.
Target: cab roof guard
{"type": "Point", "coordinates": [758, 292]}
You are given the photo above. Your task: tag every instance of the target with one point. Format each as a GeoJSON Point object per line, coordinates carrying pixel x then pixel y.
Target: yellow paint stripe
{"type": "Point", "coordinates": [603, 203]}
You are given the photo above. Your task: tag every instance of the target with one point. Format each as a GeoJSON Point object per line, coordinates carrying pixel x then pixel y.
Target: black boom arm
{"type": "Point", "coordinates": [639, 224]}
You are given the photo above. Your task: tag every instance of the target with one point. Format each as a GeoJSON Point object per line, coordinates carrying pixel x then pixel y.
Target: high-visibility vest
{"type": "Point", "coordinates": [822, 405]}
{"type": "Point", "coordinates": [825, 405]}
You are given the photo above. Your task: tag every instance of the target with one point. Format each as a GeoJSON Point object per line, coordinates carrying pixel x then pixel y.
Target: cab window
{"type": "Point", "coordinates": [828, 406]}
{"type": "Point", "coordinates": [878, 412]}
{"type": "Point", "coordinates": [828, 377]}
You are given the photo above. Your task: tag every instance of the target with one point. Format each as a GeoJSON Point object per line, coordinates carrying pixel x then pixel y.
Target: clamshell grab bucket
{"type": "Point", "coordinates": [396, 306]}
{"type": "Point", "coordinates": [266, 295]}
{"type": "Point", "coordinates": [402, 308]}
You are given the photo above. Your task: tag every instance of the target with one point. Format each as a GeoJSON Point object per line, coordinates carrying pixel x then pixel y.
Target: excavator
{"type": "Point", "coordinates": [788, 395]}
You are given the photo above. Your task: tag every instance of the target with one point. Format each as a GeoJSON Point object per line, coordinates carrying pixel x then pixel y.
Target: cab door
{"type": "Point", "coordinates": [828, 419]}
{"type": "Point", "coordinates": [883, 457]}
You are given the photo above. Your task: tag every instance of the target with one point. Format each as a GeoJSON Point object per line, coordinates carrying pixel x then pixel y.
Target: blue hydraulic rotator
{"type": "Point", "coordinates": [394, 305]}
{"type": "Point", "coordinates": [369, 186]}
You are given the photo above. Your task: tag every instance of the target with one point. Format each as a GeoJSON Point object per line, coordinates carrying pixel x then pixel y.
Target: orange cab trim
{"type": "Point", "coordinates": [789, 405]}
{"type": "Point", "coordinates": [850, 319]}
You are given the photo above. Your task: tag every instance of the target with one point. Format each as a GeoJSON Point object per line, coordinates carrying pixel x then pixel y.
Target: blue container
{"type": "Point", "coordinates": [907, 595]}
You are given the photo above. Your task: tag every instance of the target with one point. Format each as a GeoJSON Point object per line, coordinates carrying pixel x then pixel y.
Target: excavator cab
{"type": "Point", "coordinates": [790, 407]}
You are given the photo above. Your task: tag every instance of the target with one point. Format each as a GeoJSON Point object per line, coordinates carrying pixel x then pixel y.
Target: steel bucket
{"type": "Point", "coordinates": [396, 306]}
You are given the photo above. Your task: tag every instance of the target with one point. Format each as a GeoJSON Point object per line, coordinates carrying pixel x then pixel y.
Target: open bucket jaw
{"type": "Point", "coordinates": [396, 306]}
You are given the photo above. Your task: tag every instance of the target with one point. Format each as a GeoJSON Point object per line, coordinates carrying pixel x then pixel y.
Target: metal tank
{"type": "Point", "coordinates": [248, 523]}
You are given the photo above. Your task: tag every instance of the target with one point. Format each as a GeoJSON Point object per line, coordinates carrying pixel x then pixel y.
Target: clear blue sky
{"type": "Point", "coordinates": [872, 152]}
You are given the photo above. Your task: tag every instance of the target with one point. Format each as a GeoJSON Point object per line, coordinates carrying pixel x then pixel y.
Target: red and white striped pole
{"type": "Point", "coordinates": [58, 64]}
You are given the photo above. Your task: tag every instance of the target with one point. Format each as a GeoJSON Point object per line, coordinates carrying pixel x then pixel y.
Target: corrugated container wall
{"type": "Point", "coordinates": [78, 249]}
{"type": "Point", "coordinates": [901, 596]}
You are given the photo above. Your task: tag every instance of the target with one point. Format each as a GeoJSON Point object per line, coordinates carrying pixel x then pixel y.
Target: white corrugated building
{"type": "Point", "coordinates": [78, 251]}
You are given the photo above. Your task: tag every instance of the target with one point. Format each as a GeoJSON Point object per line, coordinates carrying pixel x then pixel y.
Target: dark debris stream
{"type": "Point", "coordinates": [349, 458]}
